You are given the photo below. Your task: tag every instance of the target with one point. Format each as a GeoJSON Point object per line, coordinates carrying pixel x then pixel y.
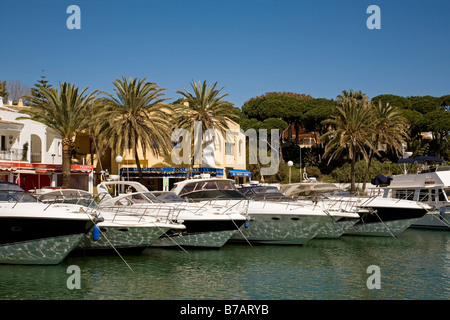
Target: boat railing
{"type": "Point", "coordinates": [375, 192]}
{"type": "Point", "coordinates": [240, 204]}
{"type": "Point", "coordinates": [342, 203]}
{"type": "Point", "coordinates": [158, 211]}
{"type": "Point", "coordinates": [76, 200]}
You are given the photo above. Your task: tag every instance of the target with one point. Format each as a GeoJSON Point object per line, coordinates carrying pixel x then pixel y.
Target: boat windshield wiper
{"type": "Point", "coordinates": [18, 200]}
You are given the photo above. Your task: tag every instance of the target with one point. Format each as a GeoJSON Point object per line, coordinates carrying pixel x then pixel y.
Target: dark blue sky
{"type": "Point", "coordinates": [248, 46]}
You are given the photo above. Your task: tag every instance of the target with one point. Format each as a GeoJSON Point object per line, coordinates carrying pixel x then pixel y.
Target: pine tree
{"type": "Point", "coordinates": [37, 90]}
{"type": "Point", "coordinates": [4, 90]}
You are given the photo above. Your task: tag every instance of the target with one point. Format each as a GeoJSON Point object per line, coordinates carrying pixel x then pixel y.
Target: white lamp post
{"type": "Point", "coordinates": [290, 164]}
{"type": "Point", "coordinates": [119, 159]}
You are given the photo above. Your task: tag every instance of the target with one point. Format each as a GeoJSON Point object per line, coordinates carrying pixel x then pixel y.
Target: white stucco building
{"type": "Point", "coordinates": [31, 153]}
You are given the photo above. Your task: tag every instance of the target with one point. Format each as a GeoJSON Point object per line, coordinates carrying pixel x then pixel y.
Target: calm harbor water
{"type": "Point", "coordinates": [415, 266]}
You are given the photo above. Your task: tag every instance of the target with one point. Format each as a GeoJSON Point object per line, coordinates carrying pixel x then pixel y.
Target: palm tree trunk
{"type": "Point", "coordinates": [297, 130]}
{"type": "Point", "coordinates": [366, 173]}
{"type": "Point", "coordinates": [91, 150]}
{"type": "Point", "coordinates": [138, 165]}
{"type": "Point", "coordinates": [190, 168]}
{"type": "Point", "coordinates": [353, 174]}
{"type": "Point", "coordinates": [194, 154]}
{"type": "Point", "coordinates": [66, 162]}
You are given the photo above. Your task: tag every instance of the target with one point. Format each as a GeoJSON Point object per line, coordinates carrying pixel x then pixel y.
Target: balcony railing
{"type": "Point", "coordinates": [36, 157]}
{"type": "Point", "coordinates": [11, 155]}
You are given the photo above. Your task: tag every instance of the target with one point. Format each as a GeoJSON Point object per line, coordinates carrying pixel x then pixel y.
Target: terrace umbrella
{"type": "Point", "coordinates": [427, 158]}
{"type": "Point", "coordinates": [410, 160]}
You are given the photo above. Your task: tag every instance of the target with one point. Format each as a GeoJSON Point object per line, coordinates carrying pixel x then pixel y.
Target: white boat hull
{"type": "Point", "coordinates": [433, 220]}
{"type": "Point", "coordinates": [281, 229]}
{"type": "Point", "coordinates": [335, 230]}
{"type": "Point", "coordinates": [48, 251]}
{"type": "Point", "coordinates": [214, 239]}
{"type": "Point", "coordinates": [122, 237]}
{"type": "Point", "coordinates": [381, 229]}
{"type": "Point", "coordinates": [202, 230]}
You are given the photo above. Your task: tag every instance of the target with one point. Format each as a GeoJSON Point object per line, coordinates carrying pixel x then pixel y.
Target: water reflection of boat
{"type": "Point", "coordinates": [378, 216]}
{"type": "Point", "coordinates": [271, 222]}
{"type": "Point", "coordinates": [33, 232]}
{"type": "Point", "coordinates": [205, 225]}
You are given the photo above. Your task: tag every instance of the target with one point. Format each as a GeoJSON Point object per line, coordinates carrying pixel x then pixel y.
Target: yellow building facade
{"type": "Point", "coordinates": [224, 156]}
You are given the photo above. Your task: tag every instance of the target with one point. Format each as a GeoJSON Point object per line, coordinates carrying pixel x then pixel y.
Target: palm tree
{"type": "Point", "coordinates": [135, 118]}
{"type": "Point", "coordinates": [390, 127]}
{"type": "Point", "coordinates": [65, 112]}
{"type": "Point", "coordinates": [352, 131]}
{"type": "Point", "coordinates": [205, 104]}
{"type": "Point", "coordinates": [352, 95]}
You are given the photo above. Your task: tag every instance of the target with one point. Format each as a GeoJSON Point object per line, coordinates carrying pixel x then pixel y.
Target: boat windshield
{"type": "Point", "coordinates": [320, 193]}
{"type": "Point", "coordinates": [68, 196]}
{"type": "Point", "coordinates": [270, 193]}
{"type": "Point", "coordinates": [333, 193]}
{"type": "Point", "coordinates": [261, 189]}
{"type": "Point", "coordinates": [214, 189]}
{"type": "Point", "coordinates": [167, 196]}
{"type": "Point", "coordinates": [444, 193]}
{"type": "Point", "coordinates": [134, 198]}
{"type": "Point", "coordinates": [16, 196]}
{"type": "Point", "coordinates": [207, 185]}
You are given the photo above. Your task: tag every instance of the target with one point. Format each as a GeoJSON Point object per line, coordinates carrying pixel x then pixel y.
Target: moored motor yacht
{"type": "Point", "coordinates": [430, 186]}
{"type": "Point", "coordinates": [33, 232]}
{"type": "Point", "coordinates": [270, 222]}
{"type": "Point", "coordinates": [205, 225]}
{"type": "Point", "coordinates": [378, 216]}
{"type": "Point", "coordinates": [344, 218]}
{"type": "Point", "coordinates": [120, 229]}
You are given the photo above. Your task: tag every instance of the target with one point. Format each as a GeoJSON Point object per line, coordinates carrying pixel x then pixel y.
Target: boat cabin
{"type": "Point", "coordinates": [259, 192]}
{"type": "Point", "coordinates": [313, 190]}
{"type": "Point", "coordinates": [207, 188]}
{"type": "Point", "coordinates": [430, 186]}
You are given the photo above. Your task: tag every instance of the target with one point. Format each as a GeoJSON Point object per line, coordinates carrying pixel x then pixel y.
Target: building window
{"type": "Point", "coordinates": [3, 146]}
{"type": "Point", "coordinates": [240, 147]}
{"type": "Point", "coordinates": [229, 148]}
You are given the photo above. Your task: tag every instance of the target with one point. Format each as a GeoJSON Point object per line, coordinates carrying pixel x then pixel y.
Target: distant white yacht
{"type": "Point", "coordinates": [430, 186]}
{"type": "Point", "coordinates": [378, 216]}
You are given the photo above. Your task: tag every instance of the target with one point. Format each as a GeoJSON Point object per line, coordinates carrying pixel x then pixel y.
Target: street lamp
{"type": "Point", "coordinates": [290, 164]}
{"type": "Point", "coordinates": [119, 159]}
